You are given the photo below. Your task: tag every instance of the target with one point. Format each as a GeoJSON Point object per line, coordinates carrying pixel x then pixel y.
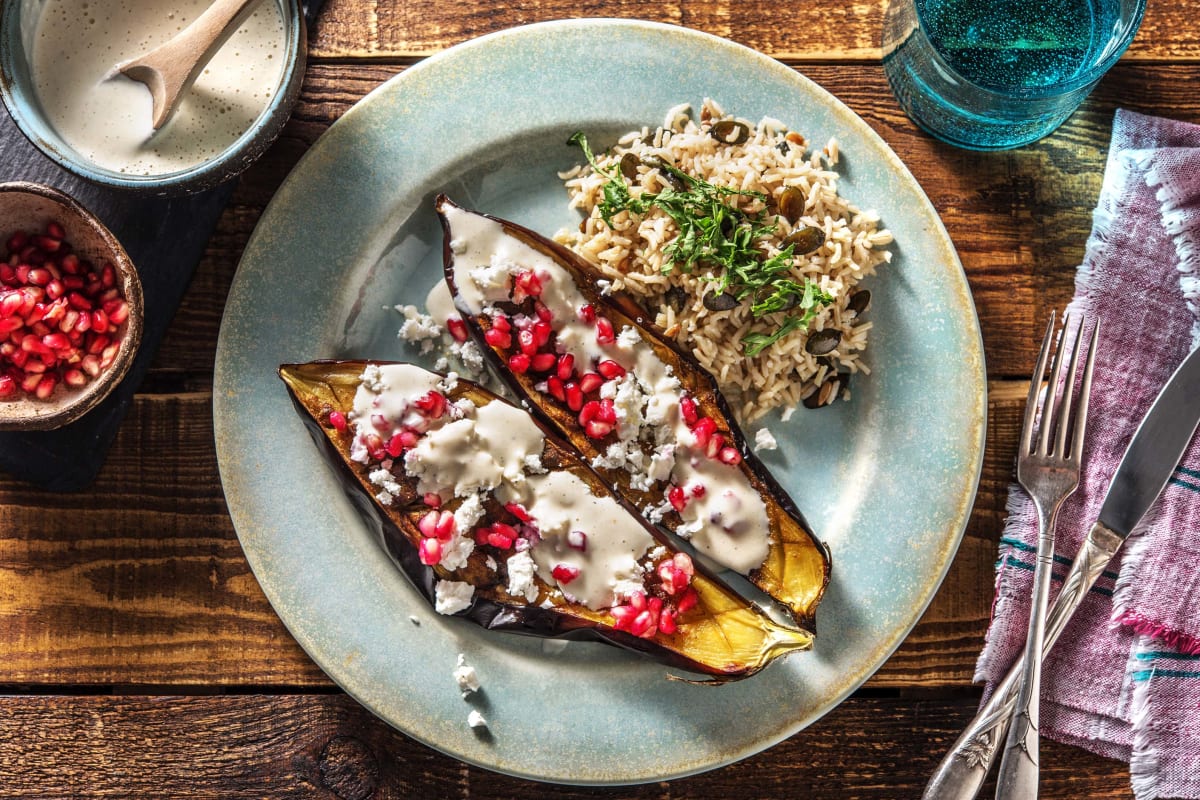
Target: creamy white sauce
{"type": "Point", "coordinates": [77, 43]}
{"type": "Point", "coordinates": [729, 523]}
{"type": "Point", "coordinates": [489, 448]}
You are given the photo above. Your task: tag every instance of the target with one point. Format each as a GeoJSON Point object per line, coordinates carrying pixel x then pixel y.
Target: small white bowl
{"type": "Point", "coordinates": [18, 19]}
{"type": "Point", "coordinates": [30, 207]}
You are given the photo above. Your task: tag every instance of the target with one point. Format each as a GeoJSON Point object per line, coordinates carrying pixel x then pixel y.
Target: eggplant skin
{"type": "Point", "coordinates": [797, 569]}
{"type": "Point", "coordinates": [316, 388]}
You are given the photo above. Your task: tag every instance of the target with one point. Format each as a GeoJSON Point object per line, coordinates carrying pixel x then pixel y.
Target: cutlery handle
{"type": "Point", "coordinates": [1018, 778]}
{"type": "Point", "coordinates": [963, 770]}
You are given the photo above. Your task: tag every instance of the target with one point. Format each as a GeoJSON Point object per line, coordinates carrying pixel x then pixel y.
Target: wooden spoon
{"type": "Point", "coordinates": [170, 69]}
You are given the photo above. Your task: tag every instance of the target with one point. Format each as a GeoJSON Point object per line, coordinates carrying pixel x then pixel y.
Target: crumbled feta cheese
{"type": "Point", "coordinates": [628, 338]}
{"type": "Point", "coordinates": [469, 512]}
{"type": "Point", "coordinates": [605, 286]}
{"type": "Point", "coordinates": [450, 597]}
{"type": "Point", "coordinates": [657, 554]}
{"type": "Point", "coordinates": [456, 551]}
{"type": "Point", "coordinates": [533, 464]}
{"type": "Point", "coordinates": [465, 677]}
{"type": "Point", "coordinates": [476, 720]}
{"type": "Point", "coordinates": [458, 246]}
{"type": "Point", "coordinates": [764, 440]}
{"type": "Point", "coordinates": [372, 379]}
{"type": "Point", "coordinates": [521, 570]}
{"type": "Point", "coordinates": [661, 463]}
{"type": "Point", "coordinates": [449, 383]}
{"type": "Point", "coordinates": [418, 328]}
{"type": "Point", "coordinates": [469, 356]}
{"type": "Point", "coordinates": [491, 564]}
{"type": "Point", "coordinates": [787, 413]}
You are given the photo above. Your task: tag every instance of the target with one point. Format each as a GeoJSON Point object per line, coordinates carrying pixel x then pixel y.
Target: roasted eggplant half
{"type": "Point", "coordinates": [495, 518]}
{"type": "Point", "coordinates": [644, 413]}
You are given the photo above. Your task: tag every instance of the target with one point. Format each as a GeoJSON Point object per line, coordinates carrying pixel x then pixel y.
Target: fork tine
{"type": "Point", "coordinates": [1085, 392]}
{"type": "Point", "coordinates": [1064, 405]}
{"type": "Point", "coordinates": [1052, 389]}
{"type": "Point", "coordinates": [1034, 386]}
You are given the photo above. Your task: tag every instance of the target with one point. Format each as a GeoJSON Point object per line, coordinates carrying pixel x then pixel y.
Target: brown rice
{"type": "Point", "coordinates": [630, 253]}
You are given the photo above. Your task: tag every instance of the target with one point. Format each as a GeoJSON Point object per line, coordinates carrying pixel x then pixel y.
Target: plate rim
{"type": "Point", "coordinates": [949, 546]}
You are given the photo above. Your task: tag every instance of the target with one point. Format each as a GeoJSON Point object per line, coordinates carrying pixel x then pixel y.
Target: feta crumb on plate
{"type": "Point", "coordinates": [765, 440]}
{"type": "Point", "coordinates": [465, 676]}
{"type": "Point", "coordinates": [476, 720]}
{"type": "Point", "coordinates": [450, 597]}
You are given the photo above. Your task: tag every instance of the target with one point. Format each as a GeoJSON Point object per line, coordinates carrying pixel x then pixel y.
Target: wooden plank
{"type": "Point", "coordinates": [317, 746]}
{"type": "Point", "coordinates": [141, 578]}
{"type": "Point", "coordinates": [1019, 219]}
{"type": "Point", "coordinates": [811, 31]}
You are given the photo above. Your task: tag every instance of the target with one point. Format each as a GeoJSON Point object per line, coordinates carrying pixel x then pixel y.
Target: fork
{"type": "Point", "coordinates": [1048, 469]}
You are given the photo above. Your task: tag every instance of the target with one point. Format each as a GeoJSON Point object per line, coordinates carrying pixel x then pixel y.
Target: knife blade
{"type": "Point", "coordinates": [1151, 457]}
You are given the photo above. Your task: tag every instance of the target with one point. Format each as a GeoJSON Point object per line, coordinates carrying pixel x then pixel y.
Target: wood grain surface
{"type": "Point", "coordinates": [141, 658]}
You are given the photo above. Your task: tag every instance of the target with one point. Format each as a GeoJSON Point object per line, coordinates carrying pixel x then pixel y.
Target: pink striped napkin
{"type": "Point", "coordinates": [1124, 679]}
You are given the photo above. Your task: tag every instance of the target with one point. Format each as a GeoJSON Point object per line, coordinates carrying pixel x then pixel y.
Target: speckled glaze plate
{"type": "Point", "coordinates": [886, 479]}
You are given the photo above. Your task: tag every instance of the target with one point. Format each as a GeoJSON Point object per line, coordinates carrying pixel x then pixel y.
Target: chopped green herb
{"type": "Point", "coordinates": [721, 237]}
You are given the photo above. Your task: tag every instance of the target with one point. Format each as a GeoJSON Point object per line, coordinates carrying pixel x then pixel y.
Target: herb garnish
{"type": "Point", "coordinates": [715, 234]}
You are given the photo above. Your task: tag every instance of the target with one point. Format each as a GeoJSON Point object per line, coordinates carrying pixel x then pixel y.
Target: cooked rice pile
{"type": "Point", "coordinates": [771, 159]}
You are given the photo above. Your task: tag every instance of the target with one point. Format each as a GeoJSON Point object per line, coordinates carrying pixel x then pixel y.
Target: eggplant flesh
{"type": "Point", "coordinates": [796, 565]}
{"type": "Point", "coordinates": [718, 635]}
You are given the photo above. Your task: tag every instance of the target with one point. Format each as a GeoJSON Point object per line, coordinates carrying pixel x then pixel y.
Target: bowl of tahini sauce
{"type": "Point", "coordinates": [57, 80]}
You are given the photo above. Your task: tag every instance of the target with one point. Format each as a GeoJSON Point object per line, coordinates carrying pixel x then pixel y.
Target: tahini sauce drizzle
{"type": "Point", "coordinates": [76, 44]}
{"type": "Point", "coordinates": [490, 448]}
{"type": "Point", "coordinates": [729, 523]}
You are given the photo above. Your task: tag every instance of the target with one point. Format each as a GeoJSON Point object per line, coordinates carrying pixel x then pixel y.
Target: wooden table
{"type": "Point", "coordinates": [139, 657]}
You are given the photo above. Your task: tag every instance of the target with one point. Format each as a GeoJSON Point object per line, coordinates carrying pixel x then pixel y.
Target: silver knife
{"type": "Point", "coordinates": [1144, 471]}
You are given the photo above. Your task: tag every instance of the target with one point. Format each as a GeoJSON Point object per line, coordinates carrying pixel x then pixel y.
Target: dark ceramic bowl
{"type": "Point", "coordinates": [30, 207]}
{"type": "Point", "coordinates": [18, 19]}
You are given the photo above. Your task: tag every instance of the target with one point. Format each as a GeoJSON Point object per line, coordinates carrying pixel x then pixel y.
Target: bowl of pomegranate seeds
{"type": "Point", "coordinates": [70, 308]}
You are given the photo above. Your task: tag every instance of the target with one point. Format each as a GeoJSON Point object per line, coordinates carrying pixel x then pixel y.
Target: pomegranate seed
{"type": "Point", "coordinates": [683, 562]}
{"type": "Point", "coordinates": [526, 284]}
{"type": "Point", "coordinates": [108, 276]}
{"type": "Point", "coordinates": [10, 303]}
{"type": "Point", "coordinates": [643, 625]}
{"type": "Point", "coordinates": [427, 524]}
{"type": "Point", "coordinates": [541, 333]}
{"type": "Point", "coordinates": [597, 429]}
{"type": "Point", "coordinates": [518, 511]}
{"type": "Point", "coordinates": [430, 551]}
{"type": "Point", "coordinates": [543, 313]}
{"type": "Point", "coordinates": [432, 404]}
{"type": "Point", "coordinates": [666, 622]}
{"type": "Point", "coordinates": [577, 540]}
{"type": "Point", "coordinates": [409, 438]}
{"type": "Point", "coordinates": [590, 382]}
{"type": "Point", "coordinates": [7, 385]}
{"type": "Point", "coordinates": [604, 331]}
{"type": "Point", "coordinates": [587, 314]}
{"type": "Point", "coordinates": [395, 446]}
{"type": "Point", "coordinates": [564, 573]}
{"type": "Point", "coordinates": [338, 420]}
{"type": "Point", "coordinates": [29, 383]}
{"type": "Point", "coordinates": [730, 455]}
{"type": "Point", "coordinates": [432, 500]}
{"type": "Point", "coordinates": [117, 310]}
{"type": "Point", "coordinates": [589, 412]}
{"type": "Point", "coordinates": [446, 526]}
{"type": "Point", "coordinates": [556, 389]}
{"type": "Point", "coordinates": [70, 265]}
{"type": "Point", "coordinates": [457, 328]}
{"type": "Point", "coordinates": [497, 338]}
{"type": "Point", "coordinates": [17, 241]}
{"type": "Point", "coordinates": [608, 412]}
{"type": "Point", "coordinates": [574, 396]}
{"type": "Point", "coordinates": [45, 387]}
{"type": "Point", "coordinates": [56, 230]}
{"type": "Point", "coordinates": [637, 601]}
{"type": "Point", "coordinates": [527, 342]}
{"type": "Point", "coordinates": [499, 538]}
{"type": "Point", "coordinates": [38, 277]}
{"type": "Point", "coordinates": [715, 445]}
{"type": "Point", "coordinates": [543, 362]}
{"type": "Point", "coordinates": [610, 369]}
{"type": "Point", "coordinates": [372, 441]}
{"type": "Point", "coordinates": [687, 601]}
{"type": "Point", "coordinates": [687, 408]}
{"type": "Point", "coordinates": [698, 490]}
{"type": "Point", "coordinates": [623, 617]}
{"type": "Point", "coordinates": [703, 431]}
{"type": "Point", "coordinates": [677, 498]}
{"type": "Point", "coordinates": [566, 367]}
{"type": "Point", "coordinates": [519, 363]}
{"type": "Point", "coordinates": [10, 324]}
{"type": "Point", "coordinates": [79, 302]}
{"type": "Point", "coordinates": [91, 365]}
{"type": "Point", "coordinates": [501, 323]}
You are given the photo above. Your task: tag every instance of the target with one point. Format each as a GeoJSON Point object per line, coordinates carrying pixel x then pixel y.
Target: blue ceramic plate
{"type": "Point", "coordinates": [887, 479]}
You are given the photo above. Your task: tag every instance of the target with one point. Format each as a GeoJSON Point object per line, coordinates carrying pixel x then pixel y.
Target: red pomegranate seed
{"type": "Point", "coordinates": [610, 369]}
{"type": "Point", "coordinates": [117, 310]}
{"type": "Point", "coordinates": [543, 362]}
{"type": "Point", "coordinates": [395, 445]}
{"type": "Point", "coordinates": [457, 328]}
{"type": "Point", "coordinates": [527, 342]}
{"type": "Point", "coordinates": [99, 321]}
{"type": "Point", "coordinates": [715, 445]}
{"type": "Point", "coordinates": [501, 536]}
{"type": "Point", "coordinates": [541, 333]}
{"type": "Point", "coordinates": [643, 625]}
{"type": "Point", "coordinates": [564, 573]}
{"type": "Point", "coordinates": [608, 412]}
{"type": "Point", "coordinates": [519, 363]}
{"type": "Point", "coordinates": [56, 230]}
{"type": "Point", "coordinates": [589, 412]}
{"type": "Point", "coordinates": [7, 385]}
{"type": "Point", "coordinates": [17, 241]}
{"type": "Point", "coordinates": [526, 284]}
{"type": "Point", "coordinates": [446, 526]}
{"type": "Point", "coordinates": [56, 341]}
{"type": "Point", "coordinates": [338, 420]}
{"type": "Point", "coordinates": [501, 323]}
{"type": "Point", "coordinates": [10, 324]}
{"type": "Point", "coordinates": [687, 408]}
{"type": "Point", "coordinates": [566, 366]}
{"type": "Point", "coordinates": [91, 365]}
{"type": "Point", "coordinates": [518, 511]}
{"type": "Point", "coordinates": [29, 383]}
{"type": "Point", "coordinates": [637, 601]}
{"type": "Point", "coordinates": [427, 524]}
{"type": "Point", "coordinates": [666, 622]}
{"type": "Point", "coordinates": [574, 396]}
{"type": "Point", "coordinates": [556, 388]}
{"type": "Point", "coordinates": [577, 540]}
{"type": "Point", "coordinates": [501, 340]}
{"type": "Point", "coordinates": [432, 500]}
{"type": "Point", "coordinates": [108, 276]}
{"type": "Point", "coordinates": [703, 431]}
{"type": "Point", "coordinates": [432, 404]}
{"type": "Point", "coordinates": [623, 617]}
{"type": "Point", "coordinates": [45, 387]}
{"type": "Point", "coordinates": [590, 382]}
{"type": "Point", "coordinates": [38, 277]}
{"type": "Point", "coordinates": [597, 429]}
{"type": "Point", "coordinates": [698, 490]}
{"type": "Point", "coordinates": [430, 552]}
{"type": "Point", "coordinates": [587, 314]}
{"type": "Point", "coordinates": [543, 313]}
{"type": "Point", "coordinates": [730, 455]}
{"type": "Point", "coordinates": [683, 562]}
{"type": "Point", "coordinates": [604, 331]}
{"type": "Point", "coordinates": [70, 265]}
{"type": "Point", "coordinates": [677, 498]}
{"type": "Point", "coordinates": [687, 601]}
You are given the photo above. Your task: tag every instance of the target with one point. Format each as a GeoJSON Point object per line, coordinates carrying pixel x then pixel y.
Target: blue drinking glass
{"type": "Point", "coordinates": [991, 75]}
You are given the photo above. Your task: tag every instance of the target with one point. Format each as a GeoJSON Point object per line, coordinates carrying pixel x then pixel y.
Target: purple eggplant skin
{"type": "Point", "coordinates": [810, 568]}
{"type": "Point", "coordinates": [492, 614]}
